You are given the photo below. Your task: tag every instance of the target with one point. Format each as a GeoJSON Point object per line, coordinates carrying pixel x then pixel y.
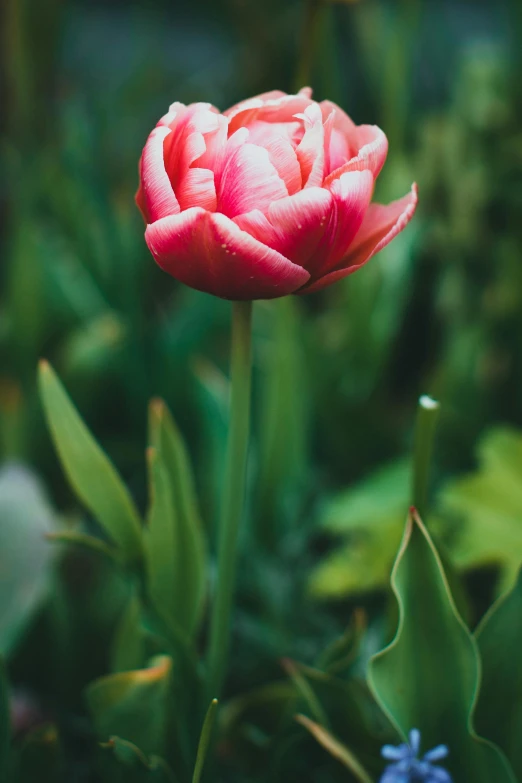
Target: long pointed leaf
{"type": "Point", "coordinates": [175, 544]}
{"type": "Point", "coordinates": [90, 472]}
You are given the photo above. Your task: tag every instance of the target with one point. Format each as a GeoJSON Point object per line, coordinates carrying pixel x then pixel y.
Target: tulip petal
{"type": "Point", "coordinates": [248, 179]}
{"type": "Point", "coordinates": [207, 251]}
{"type": "Point", "coordinates": [156, 197]}
{"type": "Point", "coordinates": [196, 189]}
{"type": "Point", "coordinates": [351, 195]}
{"type": "Point", "coordinates": [381, 224]}
{"type": "Point", "coordinates": [373, 148]}
{"type": "Point", "coordinates": [294, 226]}
{"type": "Point", "coordinates": [301, 222]}
{"type": "Point", "coordinates": [310, 150]}
{"type": "Point", "coordinates": [270, 107]}
{"type": "Point", "coordinates": [280, 151]}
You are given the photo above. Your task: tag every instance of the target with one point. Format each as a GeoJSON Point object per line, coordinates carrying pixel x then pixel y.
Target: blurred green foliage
{"type": "Point", "coordinates": [336, 379]}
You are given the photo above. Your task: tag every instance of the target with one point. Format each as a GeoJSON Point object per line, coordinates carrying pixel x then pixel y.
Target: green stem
{"type": "Point", "coordinates": [308, 43]}
{"type": "Point", "coordinates": [427, 416]}
{"type": "Point", "coordinates": [233, 495]}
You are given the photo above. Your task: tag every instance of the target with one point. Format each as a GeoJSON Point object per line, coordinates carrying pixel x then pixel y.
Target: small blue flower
{"type": "Point", "coordinates": [408, 768]}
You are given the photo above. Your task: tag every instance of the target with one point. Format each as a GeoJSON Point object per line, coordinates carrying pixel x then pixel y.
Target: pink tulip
{"type": "Point", "coordinates": [270, 198]}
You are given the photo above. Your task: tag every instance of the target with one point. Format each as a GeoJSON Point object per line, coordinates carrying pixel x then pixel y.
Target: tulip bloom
{"type": "Point", "coordinates": [270, 198]}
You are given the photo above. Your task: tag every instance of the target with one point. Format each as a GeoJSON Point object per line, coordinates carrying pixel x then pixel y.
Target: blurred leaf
{"type": "Point", "coordinates": [40, 756]}
{"type": "Point", "coordinates": [350, 713]}
{"type": "Point", "coordinates": [133, 766]}
{"type": "Point", "coordinates": [335, 748]}
{"type": "Point", "coordinates": [90, 473]}
{"type": "Point", "coordinates": [264, 707]}
{"type": "Point", "coordinates": [204, 740]}
{"type": "Point", "coordinates": [175, 547]}
{"type": "Point", "coordinates": [94, 345]}
{"type": "Point", "coordinates": [214, 394]}
{"type": "Point", "coordinates": [5, 725]}
{"type": "Point", "coordinates": [77, 538]}
{"type": "Point", "coordinates": [25, 556]}
{"type": "Point", "coordinates": [128, 648]}
{"type": "Point", "coordinates": [372, 502]}
{"type": "Point", "coordinates": [499, 708]}
{"type": "Point", "coordinates": [133, 705]}
{"type": "Point", "coordinates": [428, 677]}
{"type": "Point", "coordinates": [343, 651]}
{"type": "Point", "coordinates": [370, 517]}
{"type": "Point", "coordinates": [489, 506]}
{"type": "Point", "coordinates": [282, 437]}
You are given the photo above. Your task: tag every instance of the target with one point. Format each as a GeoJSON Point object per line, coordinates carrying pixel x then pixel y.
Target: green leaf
{"type": "Point", "coordinates": [368, 521]}
{"type": "Point", "coordinates": [133, 705]}
{"type": "Point", "coordinates": [335, 748]}
{"type": "Point", "coordinates": [128, 648]}
{"type": "Point", "coordinates": [132, 766]}
{"type": "Point", "coordinates": [204, 740]}
{"type": "Point", "coordinates": [428, 677]}
{"type": "Point", "coordinates": [77, 538]}
{"type": "Point", "coordinates": [5, 725]}
{"type": "Point", "coordinates": [175, 548]}
{"type": "Point", "coordinates": [488, 507]}
{"type": "Point", "coordinates": [499, 708]}
{"type": "Point", "coordinates": [25, 556]}
{"type": "Point", "coordinates": [90, 472]}
{"type": "Point", "coordinates": [347, 709]}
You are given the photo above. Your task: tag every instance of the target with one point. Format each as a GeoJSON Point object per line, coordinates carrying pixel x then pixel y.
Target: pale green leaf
{"type": "Point", "coordinates": [90, 472]}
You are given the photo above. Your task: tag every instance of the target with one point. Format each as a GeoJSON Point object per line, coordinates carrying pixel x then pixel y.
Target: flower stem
{"type": "Point", "coordinates": [233, 495]}
{"type": "Point", "coordinates": [308, 43]}
{"type": "Point", "coordinates": [427, 416]}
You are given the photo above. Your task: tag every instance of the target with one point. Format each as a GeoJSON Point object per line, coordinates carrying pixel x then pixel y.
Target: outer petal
{"type": "Point", "coordinates": [155, 196]}
{"type": "Point", "coordinates": [207, 251]}
{"type": "Point", "coordinates": [351, 195]}
{"type": "Point", "coordinates": [373, 148]}
{"type": "Point", "coordinates": [381, 224]}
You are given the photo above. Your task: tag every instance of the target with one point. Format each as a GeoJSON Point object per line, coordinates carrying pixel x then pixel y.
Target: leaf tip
{"type": "Point", "coordinates": [157, 407]}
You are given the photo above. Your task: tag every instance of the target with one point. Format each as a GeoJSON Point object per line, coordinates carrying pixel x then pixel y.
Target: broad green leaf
{"type": "Point", "coordinates": [5, 725]}
{"type": "Point", "coordinates": [498, 714]}
{"type": "Point", "coordinates": [128, 647]}
{"type": "Point", "coordinates": [134, 705]}
{"type": "Point", "coordinates": [40, 757]}
{"type": "Point", "coordinates": [488, 507]}
{"type": "Point", "coordinates": [25, 556]}
{"type": "Point", "coordinates": [335, 748]}
{"type": "Point", "coordinates": [428, 677]}
{"type": "Point", "coordinates": [130, 765]}
{"type": "Point", "coordinates": [175, 548]}
{"type": "Point", "coordinates": [368, 521]}
{"type": "Point", "coordinates": [90, 472]}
